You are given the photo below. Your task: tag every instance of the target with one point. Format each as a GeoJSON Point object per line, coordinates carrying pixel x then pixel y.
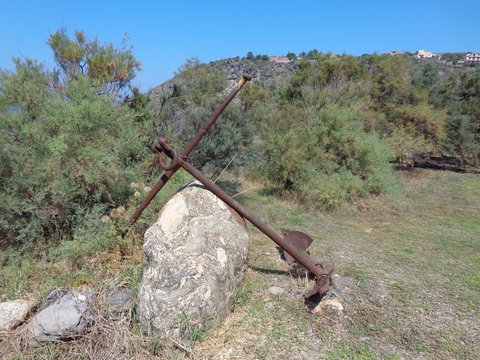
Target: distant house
{"type": "Point", "coordinates": [279, 59]}
{"type": "Point", "coordinates": [422, 54]}
{"type": "Point", "coordinates": [474, 57]}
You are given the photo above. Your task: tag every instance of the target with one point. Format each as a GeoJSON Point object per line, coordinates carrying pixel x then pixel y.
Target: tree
{"type": "Point", "coordinates": [428, 78]}
{"type": "Point", "coordinates": [250, 55]}
{"type": "Point", "coordinates": [312, 54]}
{"type": "Point", "coordinates": [109, 69]}
{"type": "Point", "coordinates": [291, 56]}
{"type": "Point", "coordinates": [461, 140]}
{"type": "Point", "coordinates": [63, 154]}
{"type": "Point", "coordinates": [180, 113]}
{"type": "Point", "coordinates": [460, 94]}
{"type": "Point", "coordinates": [324, 156]}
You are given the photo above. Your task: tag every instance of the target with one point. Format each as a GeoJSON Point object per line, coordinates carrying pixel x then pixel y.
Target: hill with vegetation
{"type": "Point", "coordinates": [338, 121]}
{"type": "Point", "coordinates": [323, 136]}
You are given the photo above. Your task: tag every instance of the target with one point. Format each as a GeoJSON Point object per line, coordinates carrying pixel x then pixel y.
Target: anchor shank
{"type": "Point", "coordinates": [201, 133]}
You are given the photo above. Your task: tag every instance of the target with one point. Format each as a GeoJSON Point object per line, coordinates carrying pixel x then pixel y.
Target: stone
{"type": "Point", "coordinates": [13, 313]}
{"type": "Point", "coordinates": [275, 290]}
{"type": "Point", "coordinates": [328, 306]}
{"type": "Point", "coordinates": [194, 259]}
{"type": "Point", "coordinates": [344, 283]}
{"type": "Point", "coordinates": [69, 317]}
{"type": "Point", "coordinates": [118, 299]}
{"type": "Point", "coordinates": [341, 295]}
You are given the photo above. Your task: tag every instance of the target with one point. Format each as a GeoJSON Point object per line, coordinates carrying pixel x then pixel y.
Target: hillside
{"type": "Point", "coordinates": [273, 74]}
{"type": "Point", "coordinates": [268, 74]}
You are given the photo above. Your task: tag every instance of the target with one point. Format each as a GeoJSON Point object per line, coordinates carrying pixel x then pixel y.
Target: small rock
{"type": "Point", "coordinates": [13, 313]}
{"type": "Point", "coordinates": [328, 306]}
{"type": "Point", "coordinates": [294, 294]}
{"type": "Point", "coordinates": [337, 292]}
{"type": "Point", "coordinates": [344, 283]}
{"type": "Point", "coordinates": [118, 299]}
{"type": "Point", "coordinates": [105, 219]}
{"type": "Point", "coordinates": [67, 318]}
{"type": "Point", "coordinates": [275, 290]}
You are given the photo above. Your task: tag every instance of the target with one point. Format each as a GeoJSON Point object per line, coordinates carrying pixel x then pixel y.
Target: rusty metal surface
{"type": "Point", "coordinates": [322, 285]}
{"type": "Point", "coordinates": [174, 167]}
{"type": "Point", "coordinates": [298, 239]}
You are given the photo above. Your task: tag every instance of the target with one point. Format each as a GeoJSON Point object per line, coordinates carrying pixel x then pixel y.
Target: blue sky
{"type": "Point", "coordinates": [164, 34]}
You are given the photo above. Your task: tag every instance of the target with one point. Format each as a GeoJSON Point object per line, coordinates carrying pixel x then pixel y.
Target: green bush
{"type": "Point", "coordinates": [326, 156]}
{"type": "Point", "coordinates": [461, 139]}
{"type": "Point", "coordinates": [405, 145]}
{"type": "Point", "coordinates": [62, 153]}
{"type": "Point", "coordinates": [419, 121]}
{"type": "Point", "coordinates": [181, 112]}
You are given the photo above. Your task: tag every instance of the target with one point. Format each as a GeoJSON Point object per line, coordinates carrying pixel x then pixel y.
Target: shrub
{"type": "Point", "coordinates": [62, 154]}
{"type": "Point", "coordinates": [180, 114]}
{"type": "Point", "coordinates": [405, 146]}
{"type": "Point", "coordinates": [326, 156]}
{"type": "Point", "coordinates": [419, 121]}
{"type": "Point", "coordinates": [461, 140]}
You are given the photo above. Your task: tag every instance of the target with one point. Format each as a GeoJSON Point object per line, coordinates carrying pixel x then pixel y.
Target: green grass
{"type": "Point", "coordinates": [415, 258]}
{"type": "Point", "coordinates": [359, 352]}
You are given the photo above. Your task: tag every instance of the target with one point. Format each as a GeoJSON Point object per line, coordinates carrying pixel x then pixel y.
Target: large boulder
{"type": "Point", "coordinates": [194, 259]}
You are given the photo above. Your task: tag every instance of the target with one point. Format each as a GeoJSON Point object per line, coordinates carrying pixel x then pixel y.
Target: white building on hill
{"type": "Point", "coordinates": [422, 54]}
{"type": "Point", "coordinates": [474, 57]}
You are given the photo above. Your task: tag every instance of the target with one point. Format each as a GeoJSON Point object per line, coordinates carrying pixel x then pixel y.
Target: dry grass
{"type": "Point", "coordinates": [112, 336]}
{"type": "Point", "coordinates": [415, 258]}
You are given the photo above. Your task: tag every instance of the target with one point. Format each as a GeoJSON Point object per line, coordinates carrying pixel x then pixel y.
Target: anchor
{"type": "Point", "coordinates": [294, 243]}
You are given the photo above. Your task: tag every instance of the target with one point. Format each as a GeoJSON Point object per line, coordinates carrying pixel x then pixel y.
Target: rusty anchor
{"type": "Point", "coordinates": [298, 239]}
{"type": "Point", "coordinates": [294, 243]}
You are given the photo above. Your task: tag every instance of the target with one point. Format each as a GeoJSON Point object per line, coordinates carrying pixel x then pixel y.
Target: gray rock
{"type": "Point", "coordinates": [344, 283]}
{"type": "Point", "coordinates": [337, 292]}
{"type": "Point", "coordinates": [267, 74]}
{"type": "Point", "coordinates": [264, 72]}
{"type": "Point", "coordinates": [275, 290]}
{"type": "Point", "coordinates": [67, 318]}
{"type": "Point", "coordinates": [343, 286]}
{"type": "Point", "coordinates": [118, 299]}
{"type": "Point", "coordinates": [13, 313]}
{"type": "Point", "coordinates": [194, 259]}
